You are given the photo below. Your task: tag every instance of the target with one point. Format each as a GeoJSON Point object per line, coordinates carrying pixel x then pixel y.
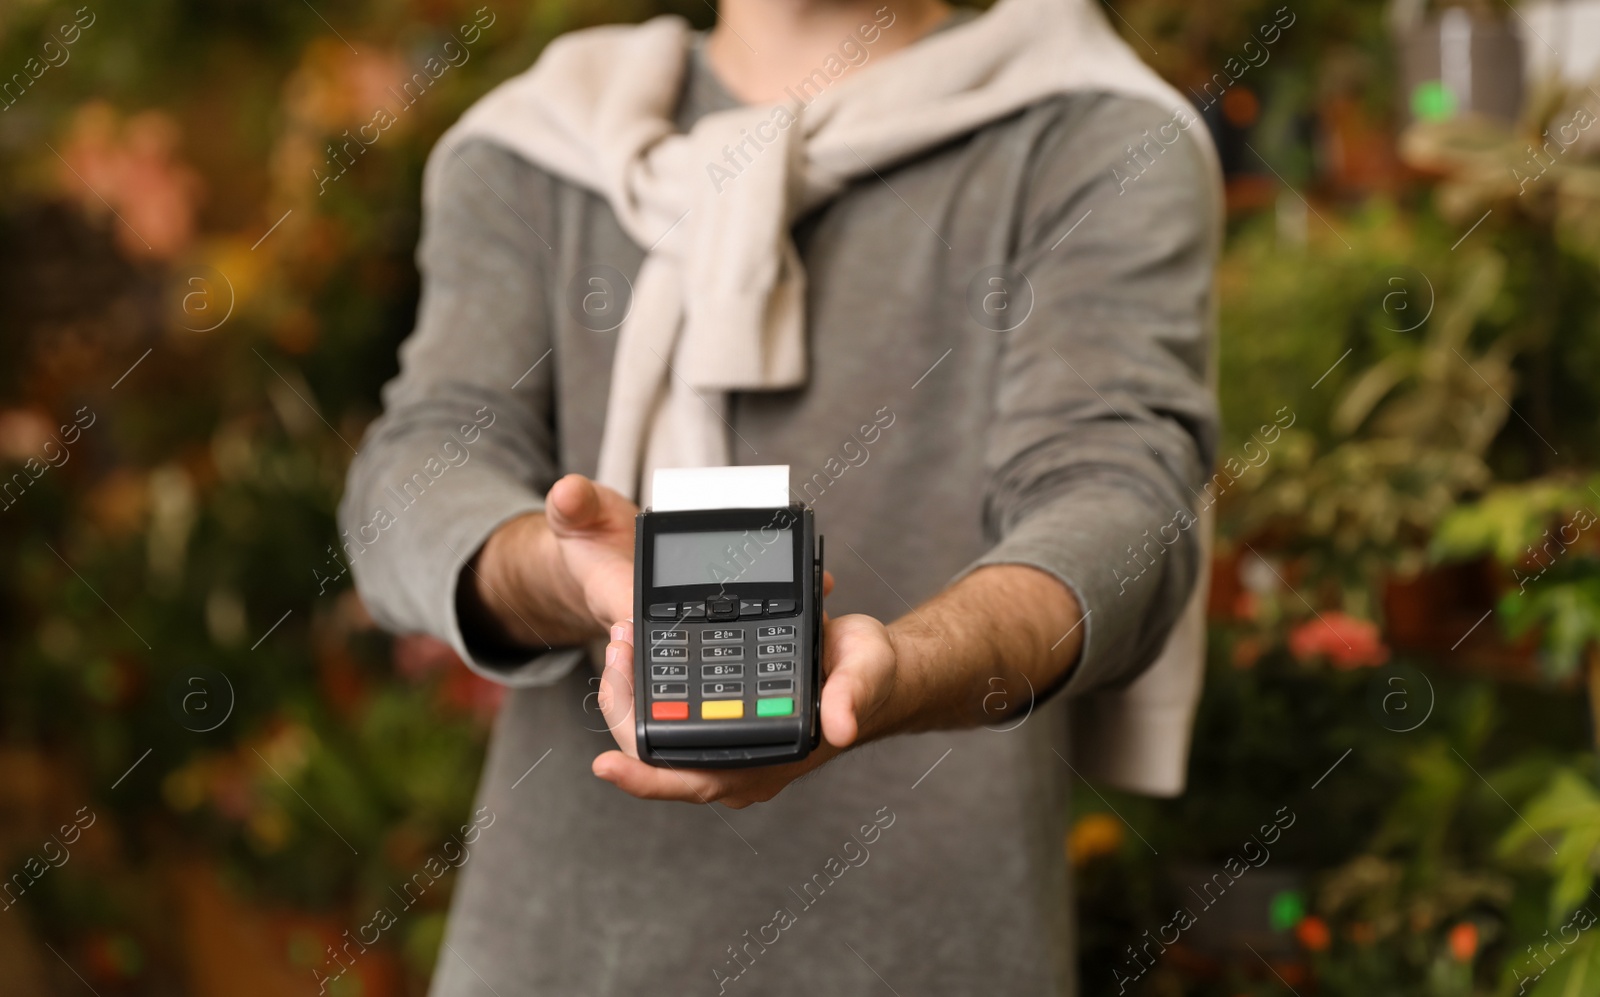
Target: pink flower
{"type": "Point", "coordinates": [1344, 640]}
{"type": "Point", "coordinates": [23, 433]}
{"type": "Point", "coordinates": [417, 656]}
{"type": "Point", "coordinates": [469, 692]}
{"type": "Point", "coordinates": [133, 168]}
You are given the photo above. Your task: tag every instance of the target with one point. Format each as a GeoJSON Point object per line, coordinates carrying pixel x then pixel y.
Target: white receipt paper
{"type": "Point", "coordinates": [763, 486]}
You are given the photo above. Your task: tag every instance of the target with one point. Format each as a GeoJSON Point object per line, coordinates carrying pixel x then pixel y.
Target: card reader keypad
{"type": "Point", "coordinates": [733, 671]}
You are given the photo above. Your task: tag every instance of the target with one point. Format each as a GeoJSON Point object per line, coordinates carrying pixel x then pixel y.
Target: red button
{"type": "Point", "coordinates": [669, 711]}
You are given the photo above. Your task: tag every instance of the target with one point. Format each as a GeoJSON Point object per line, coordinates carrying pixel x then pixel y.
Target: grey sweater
{"type": "Point", "coordinates": [957, 414]}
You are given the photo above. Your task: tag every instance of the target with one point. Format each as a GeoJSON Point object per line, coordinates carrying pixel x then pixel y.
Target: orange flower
{"type": "Point", "coordinates": [1313, 933]}
{"type": "Point", "coordinates": [1241, 107]}
{"type": "Point", "coordinates": [1092, 836]}
{"type": "Point", "coordinates": [1345, 641]}
{"type": "Point", "coordinates": [119, 502]}
{"type": "Point", "coordinates": [1247, 651]}
{"type": "Point", "coordinates": [1464, 941]}
{"type": "Point", "coordinates": [1247, 605]}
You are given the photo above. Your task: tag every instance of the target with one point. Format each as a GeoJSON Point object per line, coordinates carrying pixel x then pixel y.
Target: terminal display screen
{"type": "Point", "coordinates": [723, 557]}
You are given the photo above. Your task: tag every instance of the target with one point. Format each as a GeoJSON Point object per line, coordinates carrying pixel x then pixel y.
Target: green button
{"type": "Point", "coordinates": [782, 707]}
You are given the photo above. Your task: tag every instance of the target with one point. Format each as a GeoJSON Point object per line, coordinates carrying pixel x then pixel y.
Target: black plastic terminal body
{"type": "Point", "coordinates": [751, 740]}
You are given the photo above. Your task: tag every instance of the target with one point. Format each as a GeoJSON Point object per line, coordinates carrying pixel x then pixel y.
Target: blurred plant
{"type": "Point", "coordinates": [167, 265]}
{"type": "Point", "coordinates": [1543, 533]}
{"type": "Point", "coordinates": [1558, 831]}
{"type": "Point", "coordinates": [1395, 435]}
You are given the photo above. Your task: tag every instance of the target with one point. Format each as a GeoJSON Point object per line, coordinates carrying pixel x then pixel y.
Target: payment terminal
{"type": "Point", "coordinates": [727, 620]}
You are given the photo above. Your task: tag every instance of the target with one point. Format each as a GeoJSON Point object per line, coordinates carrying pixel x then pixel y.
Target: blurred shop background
{"type": "Point", "coordinates": [202, 286]}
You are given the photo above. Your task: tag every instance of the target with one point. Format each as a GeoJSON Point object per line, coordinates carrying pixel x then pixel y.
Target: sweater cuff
{"type": "Point", "coordinates": [468, 531]}
{"type": "Point", "coordinates": [1083, 542]}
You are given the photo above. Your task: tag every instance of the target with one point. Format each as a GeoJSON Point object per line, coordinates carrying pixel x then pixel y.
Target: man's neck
{"type": "Point", "coordinates": [761, 47]}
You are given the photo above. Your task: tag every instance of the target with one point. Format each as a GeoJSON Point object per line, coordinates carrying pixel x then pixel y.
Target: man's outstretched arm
{"type": "Point", "coordinates": [1002, 627]}
{"type": "Point", "coordinates": [565, 572]}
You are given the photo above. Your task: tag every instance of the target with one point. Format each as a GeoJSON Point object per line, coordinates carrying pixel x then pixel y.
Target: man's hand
{"type": "Point", "coordinates": [860, 662]}
{"type": "Point", "coordinates": [560, 576]}
{"type": "Point", "coordinates": [566, 575]}
{"type": "Point", "coordinates": [1007, 626]}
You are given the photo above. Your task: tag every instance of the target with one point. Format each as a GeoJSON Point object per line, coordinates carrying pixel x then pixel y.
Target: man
{"type": "Point", "coordinates": [961, 283]}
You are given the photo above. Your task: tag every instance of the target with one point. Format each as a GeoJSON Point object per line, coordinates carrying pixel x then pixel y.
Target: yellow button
{"type": "Point", "coordinates": [722, 709]}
